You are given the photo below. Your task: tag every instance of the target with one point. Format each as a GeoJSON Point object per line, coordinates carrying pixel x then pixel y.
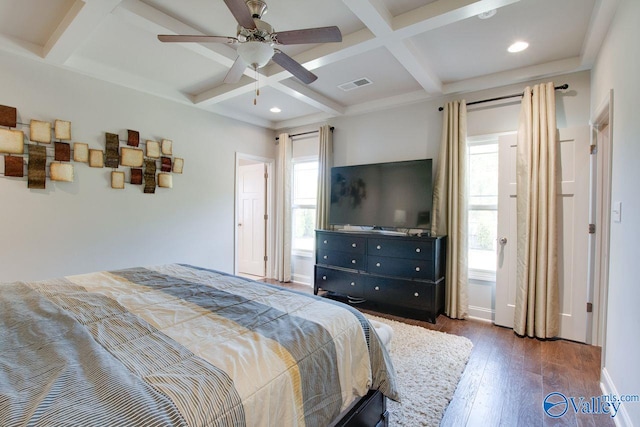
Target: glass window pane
{"type": "Point", "coordinates": [483, 229]}
{"type": "Point", "coordinates": [483, 175]}
{"type": "Point", "coordinates": [305, 183]}
{"type": "Point", "coordinates": [302, 229]}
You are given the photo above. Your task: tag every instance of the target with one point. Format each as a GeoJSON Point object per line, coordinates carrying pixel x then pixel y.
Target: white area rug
{"type": "Point", "coordinates": [429, 365]}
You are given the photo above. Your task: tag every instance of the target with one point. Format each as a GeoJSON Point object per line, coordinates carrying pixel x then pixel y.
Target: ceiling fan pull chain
{"type": "Point", "coordinates": [255, 98]}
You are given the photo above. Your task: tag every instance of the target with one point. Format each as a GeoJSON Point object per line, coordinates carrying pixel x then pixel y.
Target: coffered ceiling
{"type": "Point", "coordinates": [410, 50]}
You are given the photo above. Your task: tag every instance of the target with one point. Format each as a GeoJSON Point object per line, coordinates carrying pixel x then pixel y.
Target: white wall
{"type": "Point", "coordinates": [618, 68]}
{"type": "Point", "coordinates": [85, 226]}
{"type": "Point", "coordinates": [414, 131]}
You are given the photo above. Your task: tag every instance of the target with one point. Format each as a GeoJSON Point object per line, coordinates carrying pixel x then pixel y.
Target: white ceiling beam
{"type": "Point", "coordinates": [373, 14]}
{"type": "Point", "coordinates": [441, 13]}
{"type": "Point", "coordinates": [80, 21]}
{"type": "Point", "coordinates": [224, 92]}
{"type": "Point", "coordinates": [409, 57]}
{"type": "Point", "coordinates": [519, 75]}
{"type": "Point", "coordinates": [303, 93]}
{"type": "Point", "coordinates": [104, 72]}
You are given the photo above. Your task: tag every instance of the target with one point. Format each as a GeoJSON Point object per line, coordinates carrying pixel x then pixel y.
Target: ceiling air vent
{"type": "Point", "coordinates": [355, 84]}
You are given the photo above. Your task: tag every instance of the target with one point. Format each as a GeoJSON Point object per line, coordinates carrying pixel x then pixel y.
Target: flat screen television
{"type": "Point", "coordinates": [392, 195]}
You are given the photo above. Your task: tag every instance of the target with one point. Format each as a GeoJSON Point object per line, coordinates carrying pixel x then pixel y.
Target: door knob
{"type": "Point", "coordinates": [503, 241]}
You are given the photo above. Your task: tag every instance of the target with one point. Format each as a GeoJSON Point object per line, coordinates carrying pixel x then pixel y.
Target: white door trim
{"type": "Point", "coordinates": [269, 208]}
{"type": "Point", "coordinates": [601, 216]}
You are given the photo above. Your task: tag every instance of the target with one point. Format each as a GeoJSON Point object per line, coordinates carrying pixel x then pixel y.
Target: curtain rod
{"type": "Point", "coordinates": [304, 133]}
{"type": "Point", "coordinates": [515, 95]}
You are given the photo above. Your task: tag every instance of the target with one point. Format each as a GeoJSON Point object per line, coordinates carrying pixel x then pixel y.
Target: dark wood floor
{"type": "Point", "coordinates": [507, 377]}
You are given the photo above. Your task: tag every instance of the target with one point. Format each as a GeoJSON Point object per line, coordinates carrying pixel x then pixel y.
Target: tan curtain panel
{"type": "Point", "coordinates": [282, 258]}
{"type": "Point", "coordinates": [537, 305]}
{"type": "Point", "coordinates": [450, 201]}
{"type": "Point", "coordinates": [325, 161]}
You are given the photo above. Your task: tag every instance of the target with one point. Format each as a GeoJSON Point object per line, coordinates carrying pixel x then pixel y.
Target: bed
{"type": "Point", "coordinates": [181, 345]}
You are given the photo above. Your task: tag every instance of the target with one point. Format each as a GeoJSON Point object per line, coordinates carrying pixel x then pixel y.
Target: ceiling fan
{"type": "Point", "coordinates": [256, 40]}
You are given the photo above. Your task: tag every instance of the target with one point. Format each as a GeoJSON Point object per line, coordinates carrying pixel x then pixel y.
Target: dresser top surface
{"type": "Point", "coordinates": [380, 234]}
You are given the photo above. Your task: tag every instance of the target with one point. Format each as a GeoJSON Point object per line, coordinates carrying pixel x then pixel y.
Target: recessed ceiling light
{"type": "Point", "coordinates": [518, 47]}
{"type": "Point", "coordinates": [488, 14]}
{"type": "Point", "coordinates": [275, 110]}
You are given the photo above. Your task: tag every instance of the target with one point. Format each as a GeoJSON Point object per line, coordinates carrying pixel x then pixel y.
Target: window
{"type": "Point", "coordinates": [303, 205]}
{"type": "Point", "coordinates": [483, 207]}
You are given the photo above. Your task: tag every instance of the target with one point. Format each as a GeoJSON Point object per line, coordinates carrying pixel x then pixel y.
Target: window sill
{"type": "Point", "coordinates": [482, 275]}
{"type": "Point", "coordinates": [302, 253]}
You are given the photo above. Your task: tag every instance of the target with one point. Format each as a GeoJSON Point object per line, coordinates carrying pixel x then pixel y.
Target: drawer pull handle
{"type": "Point", "coordinates": [377, 264]}
{"type": "Point", "coordinates": [353, 245]}
{"type": "Point", "coordinates": [378, 247]}
{"type": "Point", "coordinates": [377, 288]}
{"type": "Point", "coordinates": [325, 257]}
{"type": "Point", "coordinates": [418, 250]}
{"type": "Point", "coordinates": [353, 283]}
{"type": "Point", "coordinates": [324, 277]}
{"type": "Point", "coordinates": [417, 268]}
{"type": "Point", "coordinates": [416, 294]}
{"type": "Point", "coordinates": [353, 261]}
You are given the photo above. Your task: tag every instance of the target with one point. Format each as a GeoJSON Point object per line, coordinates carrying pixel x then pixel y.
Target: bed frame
{"type": "Point", "coordinates": [369, 411]}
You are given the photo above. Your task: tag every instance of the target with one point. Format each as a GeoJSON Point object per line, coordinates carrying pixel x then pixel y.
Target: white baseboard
{"type": "Point", "coordinates": [622, 418]}
{"type": "Point", "coordinates": [299, 278]}
{"type": "Point", "coordinates": [481, 313]}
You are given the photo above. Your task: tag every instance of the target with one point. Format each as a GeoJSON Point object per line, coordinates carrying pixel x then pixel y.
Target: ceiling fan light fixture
{"type": "Point", "coordinates": [257, 54]}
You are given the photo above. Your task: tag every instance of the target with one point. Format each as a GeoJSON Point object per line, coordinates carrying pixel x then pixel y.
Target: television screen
{"type": "Point", "coordinates": [385, 195]}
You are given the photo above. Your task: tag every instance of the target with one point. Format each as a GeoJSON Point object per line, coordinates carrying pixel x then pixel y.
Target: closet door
{"type": "Point", "coordinates": [573, 232]}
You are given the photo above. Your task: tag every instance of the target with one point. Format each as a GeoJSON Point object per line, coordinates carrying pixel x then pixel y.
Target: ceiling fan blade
{"type": "Point", "coordinates": [196, 39]}
{"type": "Point", "coordinates": [241, 12]}
{"type": "Point", "coordinates": [310, 35]}
{"type": "Point", "coordinates": [236, 71]}
{"type": "Point", "coordinates": [292, 66]}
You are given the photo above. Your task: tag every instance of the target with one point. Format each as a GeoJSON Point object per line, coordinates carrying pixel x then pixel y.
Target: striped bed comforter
{"type": "Point", "coordinates": [180, 345]}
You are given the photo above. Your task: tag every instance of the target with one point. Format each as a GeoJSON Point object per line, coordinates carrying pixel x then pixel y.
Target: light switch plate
{"type": "Point", "coordinates": [616, 212]}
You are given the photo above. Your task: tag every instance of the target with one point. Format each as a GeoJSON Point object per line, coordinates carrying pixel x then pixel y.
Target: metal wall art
{"type": "Point", "coordinates": [152, 165]}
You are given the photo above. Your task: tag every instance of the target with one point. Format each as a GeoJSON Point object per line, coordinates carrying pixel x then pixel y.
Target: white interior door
{"type": "Point", "coordinates": [506, 262]}
{"type": "Point", "coordinates": [573, 213]}
{"type": "Point", "coordinates": [251, 219]}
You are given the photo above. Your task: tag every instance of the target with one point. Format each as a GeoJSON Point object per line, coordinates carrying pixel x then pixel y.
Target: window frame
{"type": "Point", "coordinates": [299, 252]}
{"type": "Point", "coordinates": [478, 274]}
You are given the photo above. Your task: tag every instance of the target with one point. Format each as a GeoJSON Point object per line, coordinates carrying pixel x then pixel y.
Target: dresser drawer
{"type": "Point", "coordinates": [340, 242]}
{"type": "Point", "coordinates": [412, 269]}
{"type": "Point", "coordinates": [340, 259]}
{"type": "Point", "coordinates": [342, 282]}
{"type": "Point", "coordinates": [399, 292]}
{"type": "Point", "coordinates": [411, 249]}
